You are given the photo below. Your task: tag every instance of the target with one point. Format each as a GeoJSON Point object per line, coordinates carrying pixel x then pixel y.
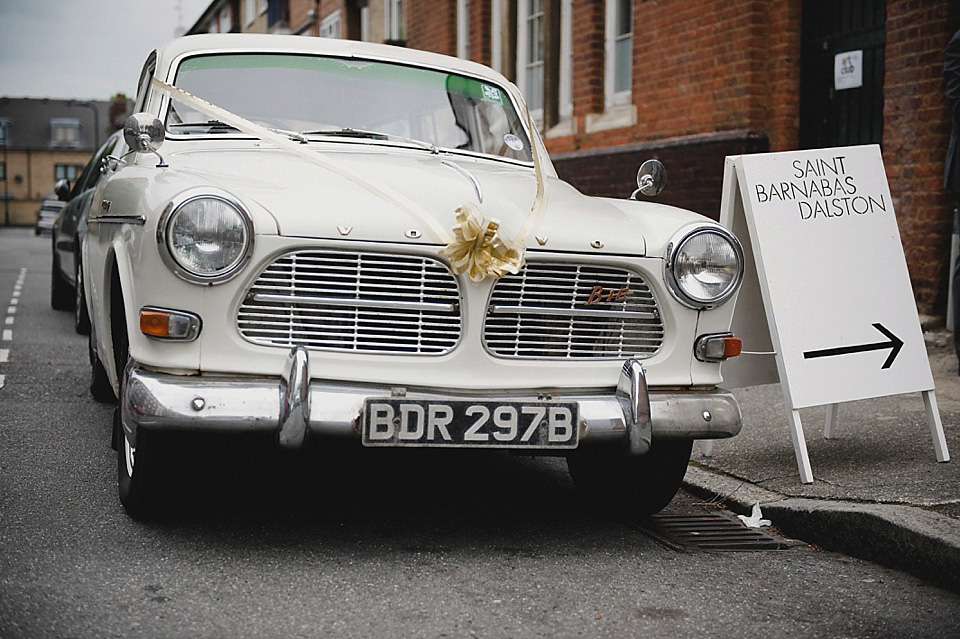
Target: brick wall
{"type": "Point", "coordinates": [710, 79]}
{"type": "Point", "coordinates": [916, 131]}
{"type": "Point", "coordinates": [432, 26]}
{"type": "Point", "coordinates": [692, 182]}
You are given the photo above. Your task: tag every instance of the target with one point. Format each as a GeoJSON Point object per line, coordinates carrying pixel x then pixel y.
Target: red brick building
{"type": "Point", "coordinates": [614, 82]}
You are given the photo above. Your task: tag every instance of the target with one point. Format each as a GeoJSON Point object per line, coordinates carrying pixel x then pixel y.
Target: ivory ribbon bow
{"type": "Point", "coordinates": [478, 250]}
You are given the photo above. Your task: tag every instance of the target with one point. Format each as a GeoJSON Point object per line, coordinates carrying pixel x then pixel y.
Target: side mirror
{"type": "Point", "coordinates": [651, 178]}
{"type": "Point", "coordinates": [62, 189]}
{"type": "Point", "coordinates": [144, 133]}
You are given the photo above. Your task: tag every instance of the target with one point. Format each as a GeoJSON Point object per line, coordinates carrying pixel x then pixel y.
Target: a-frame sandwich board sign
{"type": "Point", "coordinates": [827, 294]}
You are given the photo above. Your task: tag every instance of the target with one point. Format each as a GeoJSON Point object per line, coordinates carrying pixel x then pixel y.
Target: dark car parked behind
{"type": "Point", "coordinates": [66, 283]}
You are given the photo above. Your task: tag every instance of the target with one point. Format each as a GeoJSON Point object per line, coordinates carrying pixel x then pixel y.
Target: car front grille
{"type": "Point", "coordinates": [559, 310]}
{"type": "Point", "coordinates": [354, 301]}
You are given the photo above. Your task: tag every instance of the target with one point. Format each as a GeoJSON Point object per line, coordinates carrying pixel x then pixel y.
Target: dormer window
{"type": "Point", "coordinates": [65, 132]}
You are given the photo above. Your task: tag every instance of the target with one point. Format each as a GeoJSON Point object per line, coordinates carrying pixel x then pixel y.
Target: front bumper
{"type": "Point", "coordinates": [295, 405]}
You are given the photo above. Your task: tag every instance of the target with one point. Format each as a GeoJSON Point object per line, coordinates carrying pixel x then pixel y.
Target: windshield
{"type": "Point", "coordinates": [324, 97]}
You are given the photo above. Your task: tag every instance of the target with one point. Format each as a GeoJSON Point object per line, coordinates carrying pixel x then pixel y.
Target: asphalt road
{"type": "Point", "coordinates": [340, 542]}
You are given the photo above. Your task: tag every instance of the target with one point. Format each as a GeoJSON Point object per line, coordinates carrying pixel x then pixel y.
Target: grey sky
{"type": "Point", "coordinates": [84, 49]}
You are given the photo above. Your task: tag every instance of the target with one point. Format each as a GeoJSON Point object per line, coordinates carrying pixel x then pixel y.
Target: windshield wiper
{"type": "Point", "coordinates": [212, 126]}
{"type": "Point", "coordinates": [349, 132]}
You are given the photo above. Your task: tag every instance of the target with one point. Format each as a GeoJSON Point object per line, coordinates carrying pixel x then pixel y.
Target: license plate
{"type": "Point", "coordinates": [470, 424]}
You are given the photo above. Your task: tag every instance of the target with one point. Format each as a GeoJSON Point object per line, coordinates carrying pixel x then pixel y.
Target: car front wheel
{"type": "Point", "coordinates": [136, 475]}
{"type": "Point", "coordinates": [631, 486]}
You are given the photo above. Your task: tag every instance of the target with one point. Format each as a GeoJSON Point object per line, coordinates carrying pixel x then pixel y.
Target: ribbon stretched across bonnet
{"type": "Point", "coordinates": [474, 246]}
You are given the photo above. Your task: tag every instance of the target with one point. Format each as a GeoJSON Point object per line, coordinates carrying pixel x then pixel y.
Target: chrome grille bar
{"type": "Point", "coordinates": [354, 301]}
{"type": "Point", "coordinates": [557, 310]}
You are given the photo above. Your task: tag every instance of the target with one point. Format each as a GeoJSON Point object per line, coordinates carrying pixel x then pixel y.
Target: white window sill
{"type": "Point", "coordinates": [562, 129]}
{"type": "Point", "coordinates": [615, 117]}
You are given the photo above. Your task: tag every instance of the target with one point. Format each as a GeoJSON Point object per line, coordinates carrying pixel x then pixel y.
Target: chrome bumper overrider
{"type": "Point", "coordinates": [294, 405]}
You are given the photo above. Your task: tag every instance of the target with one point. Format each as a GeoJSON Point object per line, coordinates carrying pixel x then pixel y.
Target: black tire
{"type": "Point", "coordinates": [100, 386]}
{"type": "Point", "coordinates": [61, 293]}
{"type": "Point", "coordinates": [631, 486]}
{"type": "Point", "coordinates": [81, 318]}
{"type": "Point", "coordinates": [137, 471]}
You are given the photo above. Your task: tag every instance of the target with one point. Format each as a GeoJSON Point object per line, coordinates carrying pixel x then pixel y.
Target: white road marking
{"type": "Point", "coordinates": [9, 320]}
{"type": "Point", "coordinates": [11, 310]}
{"type": "Point", "coordinates": [4, 355]}
{"type": "Point", "coordinates": [2, 378]}
{"type": "Point", "coordinates": [7, 335]}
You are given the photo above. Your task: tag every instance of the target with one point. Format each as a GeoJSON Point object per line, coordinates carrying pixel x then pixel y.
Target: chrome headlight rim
{"type": "Point", "coordinates": [168, 255]}
{"type": "Point", "coordinates": [670, 276]}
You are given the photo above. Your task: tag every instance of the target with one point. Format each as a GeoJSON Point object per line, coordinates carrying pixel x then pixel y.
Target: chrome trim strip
{"type": "Point", "coordinates": [633, 394]}
{"type": "Point", "coordinates": [467, 174]}
{"type": "Point", "coordinates": [294, 399]}
{"type": "Point", "coordinates": [354, 303]}
{"type": "Point", "coordinates": [118, 219]}
{"type": "Point", "coordinates": [498, 309]}
{"type": "Point", "coordinates": [245, 404]}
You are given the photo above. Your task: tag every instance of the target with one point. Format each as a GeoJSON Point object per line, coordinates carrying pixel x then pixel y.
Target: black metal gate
{"type": "Point", "coordinates": [839, 117]}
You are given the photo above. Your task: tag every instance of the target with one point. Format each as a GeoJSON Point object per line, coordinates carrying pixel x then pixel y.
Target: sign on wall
{"type": "Point", "coordinates": [848, 70]}
{"type": "Point", "coordinates": [830, 282]}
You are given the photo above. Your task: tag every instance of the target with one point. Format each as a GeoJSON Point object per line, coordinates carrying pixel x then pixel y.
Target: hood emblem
{"type": "Point", "coordinates": [413, 234]}
{"type": "Point", "coordinates": [597, 244]}
{"type": "Point", "coordinates": [344, 230]}
{"type": "Point", "coordinates": [105, 205]}
{"type": "Point", "coordinates": [542, 241]}
{"type": "Point", "coordinates": [600, 295]}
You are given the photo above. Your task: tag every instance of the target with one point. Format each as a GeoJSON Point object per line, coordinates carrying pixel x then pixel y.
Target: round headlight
{"type": "Point", "coordinates": [207, 238]}
{"type": "Point", "coordinates": [705, 268]}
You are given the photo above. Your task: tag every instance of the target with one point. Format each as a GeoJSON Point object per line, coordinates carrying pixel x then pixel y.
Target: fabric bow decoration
{"type": "Point", "coordinates": [478, 250]}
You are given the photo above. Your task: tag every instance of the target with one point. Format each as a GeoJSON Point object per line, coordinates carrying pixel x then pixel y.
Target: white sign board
{"type": "Point", "coordinates": [848, 70]}
{"type": "Point", "coordinates": [835, 293]}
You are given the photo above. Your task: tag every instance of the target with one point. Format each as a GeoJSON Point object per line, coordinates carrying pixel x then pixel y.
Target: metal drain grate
{"type": "Point", "coordinates": [710, 532]}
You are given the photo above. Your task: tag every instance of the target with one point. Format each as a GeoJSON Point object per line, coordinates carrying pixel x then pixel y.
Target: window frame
{"type": "Point", "coordinates": [524, 63]}
{"type": "Point", "coordinates": [612, 97]}
{"type": "Point", "coordinates": [332, 23]}
{"type": "Point", "coordinates": [394, 20]}
{"type": "Point", "coordinates": [64, 124]}
{"type": "Point", "coordinates": [463, 29]}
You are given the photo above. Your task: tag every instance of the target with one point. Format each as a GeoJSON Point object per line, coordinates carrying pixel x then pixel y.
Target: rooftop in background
{"type": "Point", "coordinates": [44, 123]}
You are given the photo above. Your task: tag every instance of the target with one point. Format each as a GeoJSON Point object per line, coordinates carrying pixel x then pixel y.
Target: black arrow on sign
{"type": "Point", "coordinates": [894, 344]}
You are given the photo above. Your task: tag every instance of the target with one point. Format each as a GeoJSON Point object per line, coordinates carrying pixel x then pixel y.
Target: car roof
{"type": "Point", "coordinates": [260, 42]}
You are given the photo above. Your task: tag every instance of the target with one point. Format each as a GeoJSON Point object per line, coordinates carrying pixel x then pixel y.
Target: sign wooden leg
{"type": "Point", "coordinates": [800, 447]}
{"type": "Point", "coordinates": [936, 426]}
{"type": "Point", "coordinates": [830, 420]}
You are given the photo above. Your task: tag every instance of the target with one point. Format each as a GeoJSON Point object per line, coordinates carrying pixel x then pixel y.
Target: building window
{"type": "Point", "coordinates": [463, 29]}
{"type": "Point", "coordinates": [331, 25]}
{"type": "Point", "coordinates": [66, 172]}
{"type": "Point", "coordinates": [394, 22]}
{"type": "Point", "coordinates": [251, 9]}
{"type": "Point", "coordinates": [619, 52]}
{"type": "Point", "coordinates": [544, 57]}
{"type": "Point", "coordinates": [278, 15]}
{"type": "Point", "coordinates": [64, 132]}
{"type": "Point", "coordinates": [4, 131]}
{"type": "Point", "coordinates": [530, 20]}
{"type": "Point", "coordinates": [223, 20]}
{"type": "Point", "coordinates": [3, 171]}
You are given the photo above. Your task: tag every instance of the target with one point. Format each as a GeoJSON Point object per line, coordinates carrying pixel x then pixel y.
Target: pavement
{"type": "Point", "coordinates": [878, 491]}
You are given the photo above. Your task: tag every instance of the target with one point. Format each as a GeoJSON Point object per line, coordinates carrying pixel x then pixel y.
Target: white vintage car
{"type": "Point", "coordinates": [330, 239]}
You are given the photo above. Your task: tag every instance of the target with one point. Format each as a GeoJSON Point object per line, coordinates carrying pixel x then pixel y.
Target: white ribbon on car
{"type": "Point", "coordinates": [474, 248]}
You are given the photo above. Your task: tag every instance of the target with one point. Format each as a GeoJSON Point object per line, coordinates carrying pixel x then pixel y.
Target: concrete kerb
{"type": "Point", "coordinates": [920, 542]}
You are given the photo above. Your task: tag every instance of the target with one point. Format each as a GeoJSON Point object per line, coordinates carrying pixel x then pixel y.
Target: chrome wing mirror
{"type": "Point", "coordinates": [144, 133]}
{"type": "Point", "coordinates": [651, 178]}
